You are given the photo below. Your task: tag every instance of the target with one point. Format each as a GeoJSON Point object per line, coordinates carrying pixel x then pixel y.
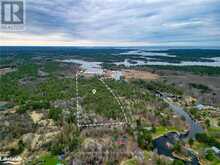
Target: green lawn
{"type": "Point", "coordinates": [163, 130]}
{"type": "Point", "coordinates": [130, 162]}
{"type": "Point", "coordinates": [51, 160]}
{"type": "Point", "coordinates": [215, 132]}
{"type": "Point", "coordinates": [199, 146]}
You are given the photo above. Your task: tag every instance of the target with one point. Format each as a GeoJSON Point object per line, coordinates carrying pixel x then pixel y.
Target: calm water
{"type": "Point", "coordinates": [3, 105]}
{"type": "Point", "coordinates": [96, 68]}
{"type": "Point", "coordinates": [128, 64]}
{"type": "Point", "coordinates": [183, 63]}
{"type": "Point", "coordinates": [186, 63]}
{"type": "Point", "coordinates": [148, 54]}
{"type": "Point", "coordinates": [89, 67]}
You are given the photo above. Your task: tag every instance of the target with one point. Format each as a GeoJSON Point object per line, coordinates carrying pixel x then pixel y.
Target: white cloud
{"type": "Point", "coordinates": [124, 21]}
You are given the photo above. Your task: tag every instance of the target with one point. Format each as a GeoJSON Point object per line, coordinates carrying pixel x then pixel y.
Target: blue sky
{"type": "Point", "coordinates": [119, 23]}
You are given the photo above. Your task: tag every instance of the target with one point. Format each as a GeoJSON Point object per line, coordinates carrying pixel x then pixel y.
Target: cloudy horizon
{"type": "Point", "coordinates": [118, 23]}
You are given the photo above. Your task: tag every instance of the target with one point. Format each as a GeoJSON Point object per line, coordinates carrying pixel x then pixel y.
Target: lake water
{"type": "Point", "coordinates": [89, 67]}
{"type": "Point", "coordinates": [148, 54]}
{"type": "Point", "coordinates": [186, 63]}
{"type": "Point", "coordinates": [126, 63]}
{"type": "Point", "coordinates": [96, 68]}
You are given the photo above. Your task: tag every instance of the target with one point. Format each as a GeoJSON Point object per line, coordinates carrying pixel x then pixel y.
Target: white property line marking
{"type": "Point", "coordinates": [103, 124]}
{"type": "Point", "coordinates": [97, 124]}
{"type": "Point", "coordinates": [116, 98]}
{"type": "Point", "coordinates": [77, 101]}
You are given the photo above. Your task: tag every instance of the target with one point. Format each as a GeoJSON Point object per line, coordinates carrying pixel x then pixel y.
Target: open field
{"type": "Point", "coordinates": [135, 74]}
{"type": "Point", "coordinates": [4, 71]}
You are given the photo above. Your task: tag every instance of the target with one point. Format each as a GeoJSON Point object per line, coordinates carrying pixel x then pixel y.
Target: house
{"type": "Point", "coordinates": [200, 107]}
{"type": "Point", "coordinates": [116, 75]}
{"type": "Point", "coordinates": [189, 100]}
{"type": "Point", "coordinates": [216, 150]}
{"type": "Point", "coordinates": [203, 107]}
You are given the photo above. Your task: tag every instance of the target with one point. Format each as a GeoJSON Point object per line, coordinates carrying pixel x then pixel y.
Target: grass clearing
{"type": "Point", "coordinates": [49, 159]}
{"type": "Point", "coordinates": [161, 130]}
{"type": "Point", "coordinates": [130, 162]}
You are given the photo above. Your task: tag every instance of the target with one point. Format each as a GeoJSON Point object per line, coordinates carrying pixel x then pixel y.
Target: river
{"type": "Point", "coordinates": [160, 143]}
{"type": "Point", "coordinates": [194, 126]}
